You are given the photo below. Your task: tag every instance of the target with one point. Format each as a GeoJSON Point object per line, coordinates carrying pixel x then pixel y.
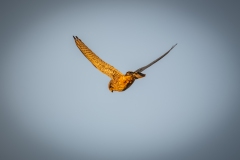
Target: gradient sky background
{"type": "Point", "coordinates": [56, 105]}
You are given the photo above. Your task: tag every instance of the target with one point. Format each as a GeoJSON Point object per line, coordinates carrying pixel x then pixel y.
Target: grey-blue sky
{"type": "Point", "coordinates": [57, 101]}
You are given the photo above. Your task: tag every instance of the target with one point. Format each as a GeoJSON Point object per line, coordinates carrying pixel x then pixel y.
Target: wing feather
{"type": "Point", "coordinates": [102, 66]}
{"type": "Point", "coordinates": [145, 67]}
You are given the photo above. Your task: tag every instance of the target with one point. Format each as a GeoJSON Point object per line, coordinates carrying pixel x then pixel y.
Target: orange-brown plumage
{"type": "Point", "coordinates": [119, 82]}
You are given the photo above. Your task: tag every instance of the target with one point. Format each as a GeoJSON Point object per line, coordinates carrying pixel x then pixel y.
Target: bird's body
{"type": "Point", "coordinates": [119, 82]}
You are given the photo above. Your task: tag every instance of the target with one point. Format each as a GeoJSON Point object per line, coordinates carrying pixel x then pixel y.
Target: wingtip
{"type": "Point", "coordinates": [76, 37]}
{"type": "Point", "coordinates": [173, 46]}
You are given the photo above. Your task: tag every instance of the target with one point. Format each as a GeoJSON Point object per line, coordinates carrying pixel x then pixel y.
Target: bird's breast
{"type": "Point", "coordinates": [124, 82]}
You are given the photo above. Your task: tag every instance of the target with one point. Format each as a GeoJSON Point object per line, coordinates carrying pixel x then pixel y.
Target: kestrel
{"type": "Point", "coordinates": [119, 82]}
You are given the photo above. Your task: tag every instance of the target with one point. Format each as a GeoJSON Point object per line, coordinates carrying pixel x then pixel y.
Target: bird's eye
{"type": "Point", "coordinates": [128, 73]}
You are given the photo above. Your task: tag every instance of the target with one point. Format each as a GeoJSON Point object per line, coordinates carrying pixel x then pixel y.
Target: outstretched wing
{"type": "Point", "coordinates": [145, 67]}
{"type": "Point", "coordinates": [96, 61]}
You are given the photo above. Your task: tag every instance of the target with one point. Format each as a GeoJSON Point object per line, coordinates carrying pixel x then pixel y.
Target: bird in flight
{"type": "Point", "coordinates": [119, 82]}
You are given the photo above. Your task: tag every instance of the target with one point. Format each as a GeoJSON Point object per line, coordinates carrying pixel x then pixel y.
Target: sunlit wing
{"type": "Point", "coordinates": [96, 61]}
{"type": "Point", "coordinates": [145, 67]}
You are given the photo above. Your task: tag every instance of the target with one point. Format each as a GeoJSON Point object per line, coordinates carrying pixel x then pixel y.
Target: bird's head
{"type": "Point", "coordinates": [136, 75]}
{"type": "Point", "coordinates": [129, 73]}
